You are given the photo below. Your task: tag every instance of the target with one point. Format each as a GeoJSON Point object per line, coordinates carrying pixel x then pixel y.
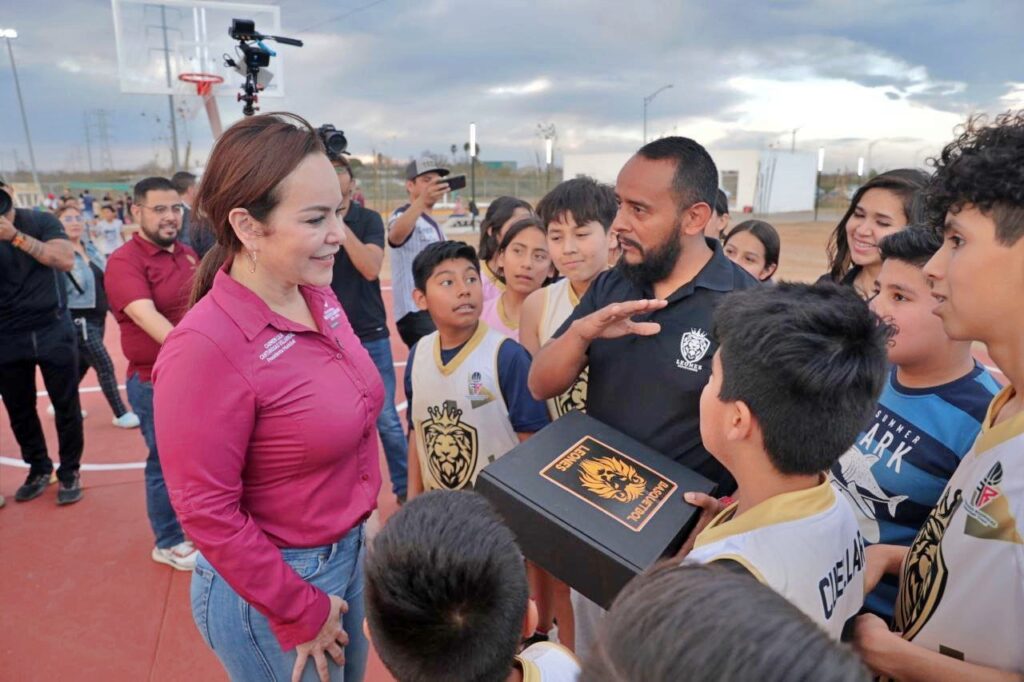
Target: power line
{"type": "Point", "coordinates": [341, 16]}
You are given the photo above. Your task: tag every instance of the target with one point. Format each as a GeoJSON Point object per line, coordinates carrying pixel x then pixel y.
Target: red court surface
{"type": "Point", "coordinates": [80, 597]}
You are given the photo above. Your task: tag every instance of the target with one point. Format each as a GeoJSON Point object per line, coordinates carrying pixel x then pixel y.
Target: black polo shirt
{"type": "Point", "coordinates": [30, 292]}
{"type": "Point", "coordinates": [649, 386]}
{"type": "Point", "coordinates": [360, 298]}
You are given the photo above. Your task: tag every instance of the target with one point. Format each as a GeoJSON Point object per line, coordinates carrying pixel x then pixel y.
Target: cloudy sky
{"type": "Point", "coordinates": [404, 76]}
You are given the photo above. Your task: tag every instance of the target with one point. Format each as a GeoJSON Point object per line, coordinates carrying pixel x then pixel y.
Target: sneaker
{"type": "Point", "coordinates": [33, 487]}
{"type": "Point", "coordinates": [2, 501]}
{"type": "Point", "coordinates": [50, 411]}
{"type": "Point", "coordinates": [70, 492]}
{"type": "Point", "coordinates": [128, 420]}
{"type": "Point", "coordinates": [181, 557]}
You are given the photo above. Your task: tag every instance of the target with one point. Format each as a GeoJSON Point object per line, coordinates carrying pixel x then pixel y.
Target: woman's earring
{"type": "Point", "coordinates": [252, 259]}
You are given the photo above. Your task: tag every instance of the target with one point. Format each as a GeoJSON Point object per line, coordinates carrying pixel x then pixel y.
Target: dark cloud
{"type": "Point", "coordinates": [403, 75]}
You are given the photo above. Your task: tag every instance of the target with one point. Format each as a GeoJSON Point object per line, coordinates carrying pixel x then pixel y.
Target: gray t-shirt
{"type": "Point", "coordinates": [424, 233]}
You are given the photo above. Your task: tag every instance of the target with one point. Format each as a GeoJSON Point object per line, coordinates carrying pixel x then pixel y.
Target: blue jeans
{"type": "Point", "coordinates": [161, 514]}
{"type": "Point", "coordinates": [241, 637]}
{"type": "Point", "coordinates": [392, 435]}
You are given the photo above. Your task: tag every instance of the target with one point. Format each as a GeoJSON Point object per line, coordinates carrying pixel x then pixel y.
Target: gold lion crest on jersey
{"type": "Point", "coordinates": [451, 446]}
{"type": "Point", "coordinates": [576, 397]}
{"type": "Point", "coordinates": [612, 479]}
{"type": "Point", "coordinates": [925, 573]}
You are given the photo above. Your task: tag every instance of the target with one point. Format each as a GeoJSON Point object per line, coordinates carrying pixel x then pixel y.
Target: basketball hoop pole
{"type": "Point", "coordinates": [204, 83]}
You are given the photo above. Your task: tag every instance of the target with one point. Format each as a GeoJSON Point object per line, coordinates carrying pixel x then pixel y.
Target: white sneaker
{"type": "Point", "coordinates": [50, 411]}
{"type": "Point", "coordinates": [181, 557]}
{"type": "Point", "coordinates": [128, 420]}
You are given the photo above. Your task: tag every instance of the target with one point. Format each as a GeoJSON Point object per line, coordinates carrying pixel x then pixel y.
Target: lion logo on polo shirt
{"type": "Point", "coordinates": [451, 446]}
{"type": "Point", "coordinates": [693, 347]}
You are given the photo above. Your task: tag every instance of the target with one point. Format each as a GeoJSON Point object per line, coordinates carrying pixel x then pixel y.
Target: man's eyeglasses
{"type": "Point", "coordinates": [176, 209]}
{"type": "Point", "coordinates": [71, 219]}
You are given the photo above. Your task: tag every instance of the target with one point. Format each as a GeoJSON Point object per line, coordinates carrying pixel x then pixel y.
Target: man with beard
{"type": "Point", "coordinates": [644, 326]}
{"type": "Point", "coordinates": [148, 282]}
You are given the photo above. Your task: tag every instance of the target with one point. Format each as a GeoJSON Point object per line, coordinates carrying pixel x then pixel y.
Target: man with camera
{"type": "Point", "coordinates": [410, 230]}
{"type": "Point", "coordinates": [356, 271]}
{"type": "Point", "coordinates": [36, 331]}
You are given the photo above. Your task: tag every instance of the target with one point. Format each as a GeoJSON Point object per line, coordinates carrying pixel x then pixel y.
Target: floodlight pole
{"type": "Point", "coordinates": [8, 34]}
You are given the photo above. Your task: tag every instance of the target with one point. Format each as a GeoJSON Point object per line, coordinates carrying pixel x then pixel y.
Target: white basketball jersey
{"type": "Point", "coordinates": [559, 302]}
{"type": "Point", "coordinates": [805, 545]}
{"type": "Point", "coordinates": [962, 587]}
{"type": "Point", "coordinates": [458, 411]}
{"type": "Point", "coordinates": [548, 662]}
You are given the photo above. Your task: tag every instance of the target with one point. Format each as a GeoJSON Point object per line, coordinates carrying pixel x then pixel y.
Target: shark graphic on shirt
{"type": "Point", "coordinates": [859, 485]}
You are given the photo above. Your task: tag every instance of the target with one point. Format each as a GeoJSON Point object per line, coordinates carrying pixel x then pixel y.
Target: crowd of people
{"type": "Point", "coordinates": [870, 490]}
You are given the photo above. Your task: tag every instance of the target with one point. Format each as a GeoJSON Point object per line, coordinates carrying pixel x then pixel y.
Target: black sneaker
{"type": "Point", "coordinates": [33, 487]}
{"type": "Point", "coordinates": [70, 492]}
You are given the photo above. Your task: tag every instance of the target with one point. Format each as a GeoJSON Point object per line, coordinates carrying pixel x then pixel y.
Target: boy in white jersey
{"type": "Point", "coordinates": [465, 383]}
{"type": "Point", "coordinates": [577, 216]}
{"type": "Point", "coordinates": [960, 610]}
{"type": "Point", "coordinates": [795, 377]}
{"type": "Point", "coordinates": [704, 622]}
{"type": "Point", "coordinates": [447, 597]}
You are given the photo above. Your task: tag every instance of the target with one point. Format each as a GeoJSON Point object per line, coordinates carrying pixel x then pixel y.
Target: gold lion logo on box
{"type": "Point", "coordinates": [612, 479]}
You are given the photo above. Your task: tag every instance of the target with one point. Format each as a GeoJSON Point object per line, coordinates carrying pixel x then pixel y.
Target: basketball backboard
{"type": "Point", "coordinates": [157, 41]}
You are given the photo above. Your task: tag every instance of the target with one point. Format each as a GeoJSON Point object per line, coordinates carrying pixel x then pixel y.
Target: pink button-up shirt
{"type": "Point", "coordinates": [267, 438]}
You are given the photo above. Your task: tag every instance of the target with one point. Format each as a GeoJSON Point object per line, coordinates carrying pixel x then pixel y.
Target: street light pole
{"type": "Point", "coordinates": [817, 180]}
{"type": "Point", "coordinates": [8, 34]}
{"type": "Point", "coordinates": [472, 162]}
{"type": "Point", "coordinates": [647, 100]}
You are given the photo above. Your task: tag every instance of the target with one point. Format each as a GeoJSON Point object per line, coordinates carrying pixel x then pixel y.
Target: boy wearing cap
{"type": "Point", "coordinates": [410, 230]}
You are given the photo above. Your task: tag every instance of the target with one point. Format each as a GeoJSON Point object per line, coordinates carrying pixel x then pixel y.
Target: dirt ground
{"type": "Point", "coordinates": [802, 257]}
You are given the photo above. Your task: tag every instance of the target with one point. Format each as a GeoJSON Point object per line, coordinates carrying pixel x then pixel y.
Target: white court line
{"type": "Point", "coordinates": [120, 466]}
{"type": "Point", "coordinates": [97, 389]}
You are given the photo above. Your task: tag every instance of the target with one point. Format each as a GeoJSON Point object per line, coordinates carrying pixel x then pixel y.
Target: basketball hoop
{"type": "Point", "coordinates": [204, 83]}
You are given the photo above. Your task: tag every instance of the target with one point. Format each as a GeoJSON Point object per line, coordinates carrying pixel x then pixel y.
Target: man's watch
{"type": "Point", "coordinates": [19, 240]}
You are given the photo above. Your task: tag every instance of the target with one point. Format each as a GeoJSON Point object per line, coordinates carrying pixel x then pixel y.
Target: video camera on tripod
{"type": "Point", "coordinates": [253, 55]}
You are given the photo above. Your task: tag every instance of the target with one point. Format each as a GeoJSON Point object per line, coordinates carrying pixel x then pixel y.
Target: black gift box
{"type": "Point", "coordinates": [591, 505]}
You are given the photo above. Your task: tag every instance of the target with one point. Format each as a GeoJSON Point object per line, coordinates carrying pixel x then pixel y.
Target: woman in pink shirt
{"type": "Point", "coordinates": [266, 405]}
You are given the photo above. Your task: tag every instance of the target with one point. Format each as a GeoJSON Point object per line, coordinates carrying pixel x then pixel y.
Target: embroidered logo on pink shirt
{"type": "Point", "coordinates": [331, 315]}
{"type": "Point", "coordinates": [273, 348]}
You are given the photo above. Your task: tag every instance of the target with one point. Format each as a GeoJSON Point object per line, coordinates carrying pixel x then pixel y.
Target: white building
{"type": "Point", "coordinates": [762, 181]}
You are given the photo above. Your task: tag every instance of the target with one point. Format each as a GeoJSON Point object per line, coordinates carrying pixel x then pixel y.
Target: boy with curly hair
{"type": "Point", "coordinates": [960, 610]}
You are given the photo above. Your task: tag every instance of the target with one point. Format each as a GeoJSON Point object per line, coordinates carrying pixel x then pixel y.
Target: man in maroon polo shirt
{"type": "Point", "coordinates": [148, 281]}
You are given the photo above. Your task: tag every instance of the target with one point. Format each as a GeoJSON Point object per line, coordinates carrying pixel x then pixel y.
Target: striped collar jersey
{"type": "Point", "coordinates": [896, 471]}
{"type": "Point", "coordinates": [962, 585]}
{"type": "Point", "coordinates": [805, 545]}
{"type": "Point", "coordinates": [458, 410]}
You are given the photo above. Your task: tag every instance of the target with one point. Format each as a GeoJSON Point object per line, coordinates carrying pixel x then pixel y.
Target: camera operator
{"type": "Point", "coordinates": [36, 330]}
{"type": "Point", "coordinates": [356, 271]}
{"type": "Point", "coordinates": [410, 230]}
